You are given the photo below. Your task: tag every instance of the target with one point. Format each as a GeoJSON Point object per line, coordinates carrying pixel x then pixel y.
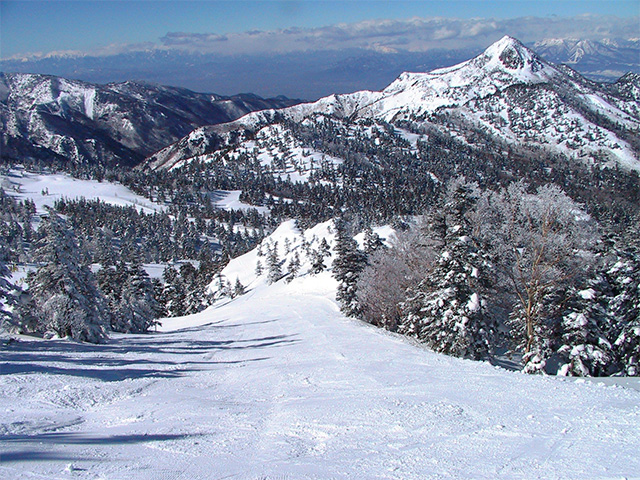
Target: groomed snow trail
{"type": "Point", "coordinates": [278, 385]}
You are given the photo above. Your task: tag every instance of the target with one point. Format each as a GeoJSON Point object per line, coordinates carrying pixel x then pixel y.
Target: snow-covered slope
{"type": "Point", "coordinates": [45, 116]}
{"type": "Point", "coordinates": [273, 146]}
{"type": "Point", "coordinates": [507, 94]}
{"type": "Point", "coordinates": [45, 189]}
{"type": "Point", "coordinates": [277, 384]}
{"type": "Point", "coordinates": [287, 241]}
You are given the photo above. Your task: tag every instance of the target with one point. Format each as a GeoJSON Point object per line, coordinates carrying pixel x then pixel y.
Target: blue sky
{"type": "Point", "coordinates": [45, 26]}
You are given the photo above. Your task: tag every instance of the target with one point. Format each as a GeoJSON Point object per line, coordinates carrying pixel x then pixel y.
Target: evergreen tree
{"type": "Point", "coordinates": [347, 265]}
{"type": "Point", "coordinates": [625, 307]}
{"type": "Point", "coordinates": [174, 294]}
{"type": "Point", "coordinates": [294, 267]}
{"type": "Point", "coordinates": [138, 309]}
{"type": "Point", "coordinates": [66, 300]}
{"type": "Point", "coordinates": [9, 320]}
{"type": "Point", "coordinates": [158, 292]}
{"type": "Point", "coordinates": [194, 289]}
{"type": "Point", "coordinates": [584, 348]}
{"type": "Point", "coordinates": [273, 265]}
{"type": "Point", "coordinates": [372, 241]}
{"type": "Point", "coordinates": [238, 289]}
{"type": "Point", "coordinates": [317, 262]}
{"type": "Point", "coordinates": [111, 280]}
{"type": "Point", "coordinates": [449, 309]}
{"type": "Point", "coordinates": [324, 248]}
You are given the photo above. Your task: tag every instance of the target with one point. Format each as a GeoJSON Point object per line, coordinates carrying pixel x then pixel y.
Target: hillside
{"type": "Point", "coordinates": [46, 118]}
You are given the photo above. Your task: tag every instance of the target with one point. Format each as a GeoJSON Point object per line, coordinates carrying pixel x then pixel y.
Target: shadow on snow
{"type": "Point", "coordinates": [74, 439]}
{"type": "Point", "coordinates": [126, 357]}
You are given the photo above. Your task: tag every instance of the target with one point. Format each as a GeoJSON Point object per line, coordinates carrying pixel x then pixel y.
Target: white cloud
{"type": "Point", "coordinates": [414, 35]}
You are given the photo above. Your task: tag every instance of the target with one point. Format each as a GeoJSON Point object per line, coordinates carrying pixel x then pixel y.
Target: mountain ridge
{"type": "Point", "coordinates": [117, 123]}
{"type": "Point", "coordinates": [540, 104]}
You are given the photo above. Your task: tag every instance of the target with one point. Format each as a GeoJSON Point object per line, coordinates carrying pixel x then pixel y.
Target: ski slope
{"type": "Point", "coordinates": [276, 384]}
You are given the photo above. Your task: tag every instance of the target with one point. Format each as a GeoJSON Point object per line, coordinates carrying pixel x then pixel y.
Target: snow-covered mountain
{"type": "Point", "coordinates": [506, 95]}
{"type": "Point", "coordinates": [45, 116]}
{"type": "Point", "coordinates": [597, 59]}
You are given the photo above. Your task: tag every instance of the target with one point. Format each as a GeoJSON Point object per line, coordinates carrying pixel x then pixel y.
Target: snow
{"type": "Point", "coordinates": [278, 384]}
{"type": "Point", "coordinates": [45, 189]}
{"type": "Point", "coordinates": [588, 294]}
{"type": "Point", "coordinates": [412, 138]}
{"type": "Point", "coordinates": [275, 142]}
{"type": "Point", "coordinates": [386, 233]}
{"type": "Point", "coordinates": [230, 200]}
{"type": "Point", "coordinates": [89, 98]}
{"type": "Point", "coordinates": [473, 305]}
{"type": "Point", "coordinates": [243, 268]}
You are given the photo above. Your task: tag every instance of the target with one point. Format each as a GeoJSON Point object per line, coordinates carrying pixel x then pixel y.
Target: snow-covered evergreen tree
{"type": "Point", "coordinates": [625, 308]}
{"type": "Point", "coordinates": [317, 261]}
{"type": "Point", "coordinates": [347, 265]}
{"type": "Point", "coordinates": [324, 248]}
{"type": "Point", "coordinates": [65, 298]}
{"type": "Point", "coordinates": [9, 320]}
{"type": "Point", "coordinates": [138, 309]}
{"type": "Point", "coordinates": [583, 344]}
{"type": "Point", "coordinates": [238, 289]}
{"type": "Point", "coordinates": [194, 290]}
{"type": "Point", "coordinates": [372, 241]}
{"type": "Point", "coordinates": [293, 267]}
{"type": "Point", "coordinates": [449, 309]}
{"type": "Point", "coordinates": [273, 265]}
{"type": "Point", "coordinates": [174, 295]}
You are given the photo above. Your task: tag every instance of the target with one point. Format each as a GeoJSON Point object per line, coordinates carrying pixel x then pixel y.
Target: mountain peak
{"type": "Point", "coordinates": [512, 54]}
{"type": "Point", "coordinates": [505, 63]}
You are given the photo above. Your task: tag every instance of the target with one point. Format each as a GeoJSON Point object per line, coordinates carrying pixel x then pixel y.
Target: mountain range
{"type": "Point", "coordinates": [508, 98]}
{"type": "Point", "coordinates": [317, 74]}
{"type": "Point", "coordinates": [508, 95]}
{"type": "Point", "coordinates": [604, 60]}
{"type": "Point", "coordinates": [46, 117]}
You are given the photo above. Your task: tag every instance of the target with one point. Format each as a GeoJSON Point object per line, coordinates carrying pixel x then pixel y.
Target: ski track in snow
{"type": "Point", "coordinates": [278, 385]}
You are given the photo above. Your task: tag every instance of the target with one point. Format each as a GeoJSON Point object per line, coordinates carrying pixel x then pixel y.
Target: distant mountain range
{"type": "Point", "coordinates": [46, 117]}
{"type": "Point", "coordinates": [312, 75]}
{"type": "Point", "coordinates": [507, 95]}
{"type": "Point", "coordinates": [603, 61]}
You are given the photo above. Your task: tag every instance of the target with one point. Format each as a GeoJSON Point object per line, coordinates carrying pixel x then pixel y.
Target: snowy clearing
{"type": "Point", "coordinates": [277, 384]}
{"type": "Point", "coordinates": [45, 189]}
{"type": "Point", "coordinates": [230, 200]}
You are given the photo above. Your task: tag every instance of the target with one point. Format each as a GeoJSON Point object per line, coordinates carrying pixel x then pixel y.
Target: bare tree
{"type": "Point", "coordinates": [541, 242]}
{"type": "Point", "coordinates": [384, 282]}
